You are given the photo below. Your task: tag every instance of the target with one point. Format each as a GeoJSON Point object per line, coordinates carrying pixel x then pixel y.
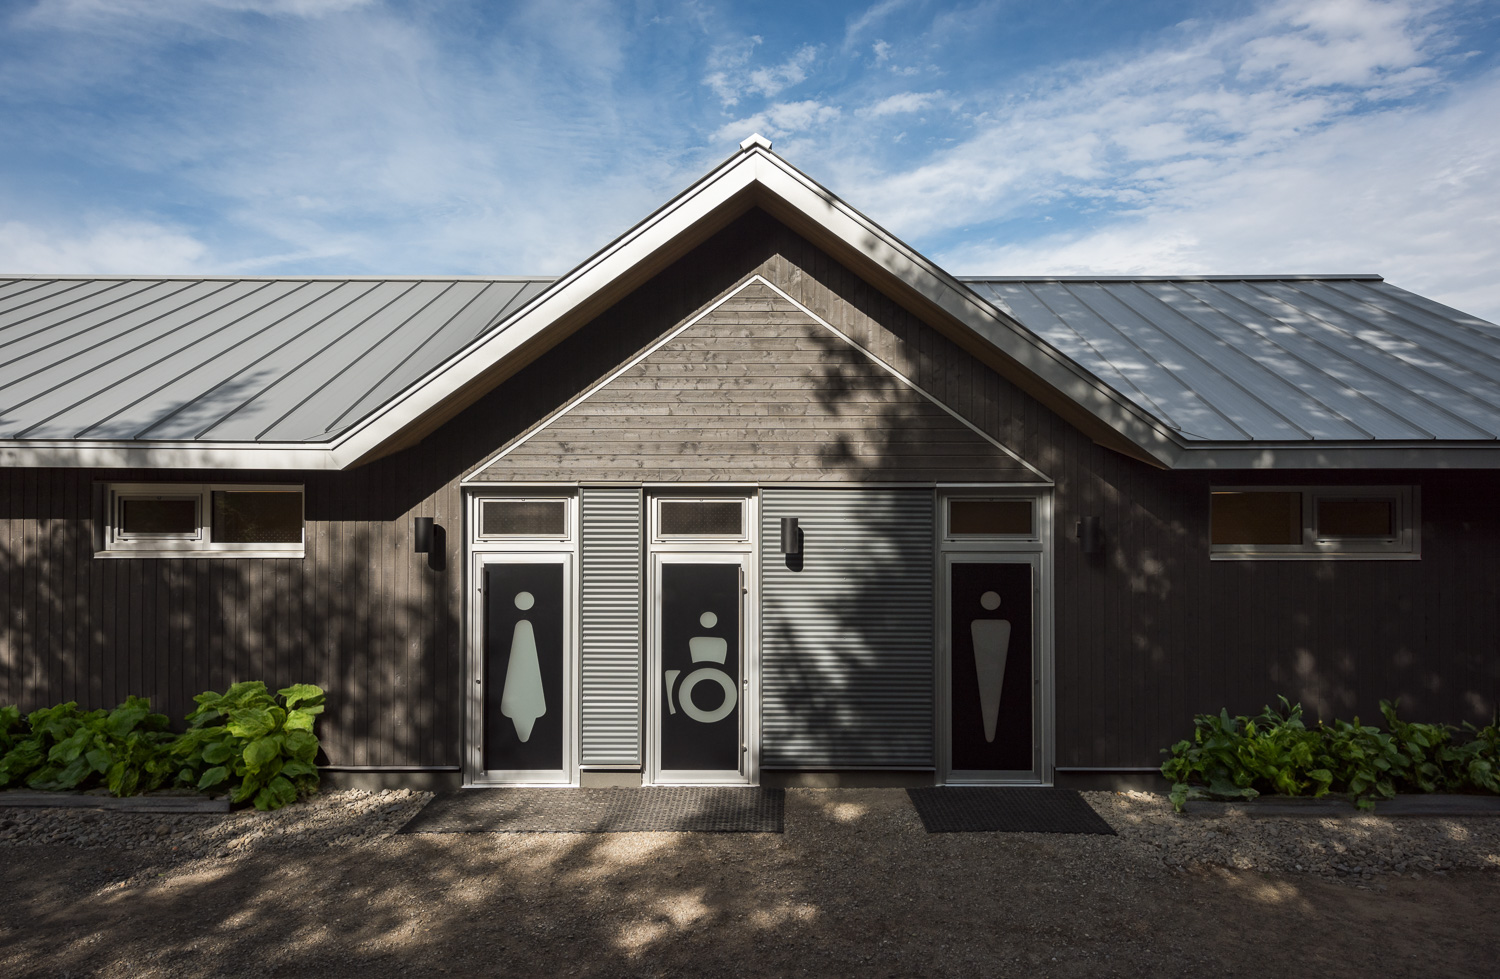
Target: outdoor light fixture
{"type": "Point", "coordinates": [1090, 536]}
{"type": "Point", "coordinates": [423, 535]}
{"type": "Point", "coordinates": [791, 536]}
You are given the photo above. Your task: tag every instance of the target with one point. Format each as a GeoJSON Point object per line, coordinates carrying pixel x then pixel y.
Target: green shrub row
{"type": "Point", "coordinates": [257, 747]}
{"type": "Point", "coordinates": [1241, 757]}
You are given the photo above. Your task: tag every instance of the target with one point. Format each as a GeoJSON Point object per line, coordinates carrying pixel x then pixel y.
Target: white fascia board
{"type": "Point", "coordinates": [563, 296]}
{"type": "Point", "coordinates": [1374, 455]}
{"type": "Point", "coordinates": [162, 455]}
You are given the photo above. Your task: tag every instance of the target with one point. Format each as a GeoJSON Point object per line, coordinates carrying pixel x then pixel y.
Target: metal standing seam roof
{"type": "Point", "coordinates": [1339, 358]}
{"type": "Point", "coordinates": [302, 360]}
{"type": "Point", "coordinates": [228, 359]}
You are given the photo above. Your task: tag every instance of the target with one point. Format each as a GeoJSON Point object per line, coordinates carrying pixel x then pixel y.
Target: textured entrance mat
{"type": "Point", "coordinates": [657, 809]}
{"type": "Point", "coordinates": [963, 809]}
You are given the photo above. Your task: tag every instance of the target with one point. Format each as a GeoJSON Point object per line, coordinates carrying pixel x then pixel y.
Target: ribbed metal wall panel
{"type": "Point", "coordinates": [847, 642]}
{"type": "Point", "coordinates": [610, 697]}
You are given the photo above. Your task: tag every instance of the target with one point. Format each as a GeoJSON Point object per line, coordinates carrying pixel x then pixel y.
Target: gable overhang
{"type": "Point", "coordinates": [755, 177]}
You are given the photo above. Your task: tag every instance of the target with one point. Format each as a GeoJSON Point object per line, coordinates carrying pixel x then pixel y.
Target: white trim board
{"type": "Point", "coordinates": [754, 280]}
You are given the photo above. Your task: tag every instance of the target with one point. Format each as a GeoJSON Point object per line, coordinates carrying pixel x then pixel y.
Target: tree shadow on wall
{"type": "Point", "coordinates": [1150, 632]}
{"type": "Point", "coordinates": [94, 630]}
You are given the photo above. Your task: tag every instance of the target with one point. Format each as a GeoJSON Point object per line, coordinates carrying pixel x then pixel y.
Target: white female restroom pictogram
{"type": "Point", "coordinates": [704, 649]}
{"type": "Point", "coordinates": [524, 699]}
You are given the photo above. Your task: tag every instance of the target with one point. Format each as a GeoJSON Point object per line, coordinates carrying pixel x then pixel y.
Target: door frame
{"type": "Point", "coordinates": [482, 552]}
{"type": "Point", "coordinates": [1036, 550]}
{"type": "Point", "coordinates": [741, 552]}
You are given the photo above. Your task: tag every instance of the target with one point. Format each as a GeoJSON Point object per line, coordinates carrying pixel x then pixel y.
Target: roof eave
{"type": "Point", "coordinates": [34, 454]}
{"type": "Point", "coordinates": [1340, 455]}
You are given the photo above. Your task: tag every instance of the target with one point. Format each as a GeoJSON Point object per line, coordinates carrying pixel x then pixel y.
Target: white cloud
{"type": "Point", "coordinates": [84, 14]}
{"type": "Point", "coordinates": [869, 18]}
{"type": "Point", "coordinates": [1413, 197]}
{"type": "Point", "coordinates": [902, 102]}
{"type": "Point", "coordinates": [105, 247]}
{"type": "Point", "coordinates": [732, 77]}
{"type": "Point", "coordinates": [781, 119]}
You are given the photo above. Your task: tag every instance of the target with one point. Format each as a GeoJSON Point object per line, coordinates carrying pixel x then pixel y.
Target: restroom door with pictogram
{"type": "Point", "coordinates": [994, 681]}
{"type": "Point", "coordinates": [699, 671]}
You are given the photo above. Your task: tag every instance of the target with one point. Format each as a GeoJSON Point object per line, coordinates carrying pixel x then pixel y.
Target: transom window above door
{"type": "Point", "coordinates": [972, 518]}
{"type": "Point", "coordinates": [524, 519]}
{"type": "Point", "coordinates": [700, 519]}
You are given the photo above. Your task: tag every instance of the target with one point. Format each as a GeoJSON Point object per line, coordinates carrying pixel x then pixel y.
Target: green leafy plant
{"type": "Point", "coordinates": [72, 749]}
{"type": "Point", "coordinates": [11, 728]}
{"type": "Point", "coordinates": [1366, 761]}
{"type": "Point", "coordinates": [23, 753]}
{"type": "Point", "coordinates": [258, 747]}
{"type": "Point", "coordinates": [1230, 756]}
{"type": "Point", "coordinates": [1479, 759]}
{"type": "Point", "coordinates": [1240, 757]}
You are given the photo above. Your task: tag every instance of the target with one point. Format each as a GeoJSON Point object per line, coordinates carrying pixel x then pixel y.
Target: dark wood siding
{"type": "Point", "coordinates": [1148, 633]}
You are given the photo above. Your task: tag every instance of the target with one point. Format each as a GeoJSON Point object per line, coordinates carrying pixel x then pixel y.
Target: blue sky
{"type": "Point", "coordinates": [369, 137]}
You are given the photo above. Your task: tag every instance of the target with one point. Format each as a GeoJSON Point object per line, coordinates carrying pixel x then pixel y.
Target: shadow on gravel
{"type": "Point", "coordinates": [852, 888]}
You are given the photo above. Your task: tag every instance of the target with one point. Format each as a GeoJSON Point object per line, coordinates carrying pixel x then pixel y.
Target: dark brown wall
{"type": "Point", "coordinates": [1148, 633]}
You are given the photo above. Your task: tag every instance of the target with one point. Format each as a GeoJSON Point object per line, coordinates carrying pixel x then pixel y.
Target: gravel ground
{"type": "Point", "coordinates": [329, 819]}
{"type": "Point", "coordinates": [1151, 835]}
{"type": "Point", "coordinates": [854, 887]}
{"type": "Point", "coordinates": [1348, 846]}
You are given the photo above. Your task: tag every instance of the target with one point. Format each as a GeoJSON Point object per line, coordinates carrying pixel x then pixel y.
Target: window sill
{"type": "Point", "coordinates": [1345, 556]}
{"type": "Point", "coordinates": [156, 553]}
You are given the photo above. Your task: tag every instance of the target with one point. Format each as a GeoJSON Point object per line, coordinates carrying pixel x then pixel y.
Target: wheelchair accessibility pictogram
{"type": "Point", "coordinates": [704, 649]}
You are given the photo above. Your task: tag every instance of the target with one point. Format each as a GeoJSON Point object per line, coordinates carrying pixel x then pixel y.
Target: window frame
{"type": "Point", "coordinates": [1404, 544]}
{"type": "Point", "coordinates": [112, 542]}
{"type": "Point", "coordinates": [950, 537]}
{"type": "Point", "coordinates": [658, 537]}
{"type": "Point", "coordinates": [564, 537]}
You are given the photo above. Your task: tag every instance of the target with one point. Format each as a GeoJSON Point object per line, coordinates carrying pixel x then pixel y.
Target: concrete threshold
{"type": "Point", "coordinates": [28, 799]}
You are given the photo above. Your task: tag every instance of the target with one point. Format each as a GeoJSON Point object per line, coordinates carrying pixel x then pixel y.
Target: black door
{"type": "Point", "coordinates": [990, 609]}
{"type": "Point", "coordinates": [700, 667]}
{"type": "Point", "coordinates": [523, 667]}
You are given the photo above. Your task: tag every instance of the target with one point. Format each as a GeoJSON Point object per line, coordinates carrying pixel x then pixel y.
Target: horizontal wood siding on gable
{"type": "Point", "coordinates": [757, 390]}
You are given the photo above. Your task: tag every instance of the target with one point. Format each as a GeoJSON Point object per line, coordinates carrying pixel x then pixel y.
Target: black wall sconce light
{"type": "Point", "coordinates": [1090, 535]}
{"type": "Point", "coordinates": [791, 536]}
{"type": "Point", "coordinates": [423, 535]}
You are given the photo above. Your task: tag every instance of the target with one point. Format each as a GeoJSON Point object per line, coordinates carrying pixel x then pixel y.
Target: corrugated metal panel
{"type": "Point", "coordinates": [223, 358]}
{"type": "Point", "coordinates": [610, 697]}
{"type": "Point", "coordinates": [847, 642]}
{"type": "Point", "coordinates": [1272, 358]}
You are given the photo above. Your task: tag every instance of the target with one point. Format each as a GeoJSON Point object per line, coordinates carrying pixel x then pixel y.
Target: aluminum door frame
{"type": "Point", "coordinates": [744, 554]}
{"type": "Point", "coordinates": [1037, 552]}
{"type": "Point", "coordinates": [522, 551]}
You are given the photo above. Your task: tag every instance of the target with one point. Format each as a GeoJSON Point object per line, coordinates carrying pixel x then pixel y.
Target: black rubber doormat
{"type": "Point", "coordinates": [981, 809]}
{"type": "Point", "coordinates": [729, 809]}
